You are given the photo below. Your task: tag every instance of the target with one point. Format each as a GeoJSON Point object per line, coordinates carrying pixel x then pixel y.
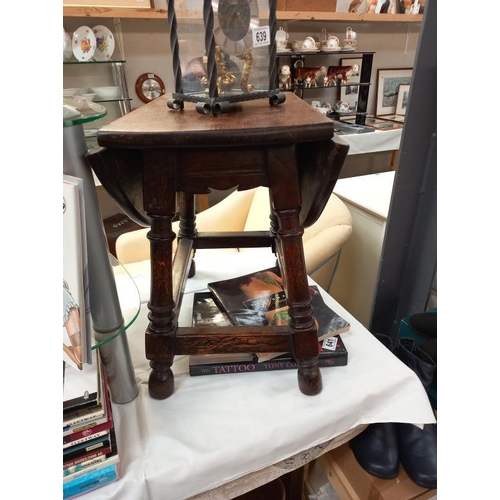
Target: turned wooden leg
{"type": "Point", "coordinates": [286, 207]}
{"type": "Point", "coordinates": [187, 221]}
{"type": "Point", "coordinates": [160, 204]}
{"type": "Point", "coordinates": [161, 329]}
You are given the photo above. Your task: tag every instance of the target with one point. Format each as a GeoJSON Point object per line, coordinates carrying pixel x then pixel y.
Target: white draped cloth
{"type": "Point", "coordinates": [218, 428]}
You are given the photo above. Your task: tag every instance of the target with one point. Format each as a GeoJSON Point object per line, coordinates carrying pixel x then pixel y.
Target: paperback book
{"type": "Point", "coordinates": [332, 351]}
{"type": "Point", "coordinates": [259, 299]}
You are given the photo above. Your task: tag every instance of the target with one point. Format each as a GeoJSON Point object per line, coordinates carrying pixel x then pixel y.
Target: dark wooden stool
{"type": "Point", "coordinates": [154, 161]}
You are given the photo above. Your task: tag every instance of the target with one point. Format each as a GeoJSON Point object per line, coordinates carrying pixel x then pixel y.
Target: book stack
{"type": "Point", "coordinates": [259, 299]}
{"type": "Point", "coordinates": [90, 453]}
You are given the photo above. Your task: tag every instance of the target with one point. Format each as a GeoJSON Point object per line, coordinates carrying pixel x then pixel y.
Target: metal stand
{"type": "Point", "coordinates": [107, 318]}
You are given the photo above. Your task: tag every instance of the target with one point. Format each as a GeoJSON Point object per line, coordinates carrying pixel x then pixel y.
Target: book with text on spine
{"type": "Point", "coordinates": [259, 299]}
{"type": "Point", "coordinates": [332, 351]}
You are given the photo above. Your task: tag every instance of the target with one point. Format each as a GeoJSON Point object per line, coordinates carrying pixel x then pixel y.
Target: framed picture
{"type": "Point", "coordinates": [402, 102]}
{"type": "Point", "coordinates": [376, 123]}
{"type": "Point", "coordinates": [388, 82]}
{"type": "Point", "coordinates": [349, 93]}
{"type": "Point", "coordinates": [393, 118]}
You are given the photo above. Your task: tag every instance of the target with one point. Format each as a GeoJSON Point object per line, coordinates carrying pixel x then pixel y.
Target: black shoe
{"type": "Point", "coordinates": [418, 447]}
{"type": "Point", "coordinates": [376, 450]}
{"type": "Point", "coordinates": [418, 453]}
{"type": "Point", "coordinates": [424, 324]}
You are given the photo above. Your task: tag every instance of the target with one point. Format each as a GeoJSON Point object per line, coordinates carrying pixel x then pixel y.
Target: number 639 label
{"type": "Point", "coordinates": [260, 36]}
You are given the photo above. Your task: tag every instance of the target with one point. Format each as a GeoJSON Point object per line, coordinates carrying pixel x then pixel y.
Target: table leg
{"type": "Point", "coordinates": [159, 196]}
{"type": "Point", "coordinates": [187, 221]}
{"type": "Point", "coordinates": [286, 203]}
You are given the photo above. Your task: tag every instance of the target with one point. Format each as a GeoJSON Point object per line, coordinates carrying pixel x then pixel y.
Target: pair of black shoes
{"type": "Point", "coordinates": [381, 448]}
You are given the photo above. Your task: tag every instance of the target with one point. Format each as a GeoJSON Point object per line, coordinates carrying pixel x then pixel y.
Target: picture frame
{"type": "Point", "coordinates": [402, 103]}
{"type": "Point", "coordinates": [388, 82]}
{"type": "Point", "coordinates": [349, 93]}
{"type": "Point", "coordinates": [377, 123]}
{"type": "Point", "coordinates": [393, 118]}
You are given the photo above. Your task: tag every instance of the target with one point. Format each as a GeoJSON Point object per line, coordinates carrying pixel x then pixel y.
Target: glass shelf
{"type": "Point", "coordinates": [76, 63]}
{"type": "Point", "coordinates": [121, 99]}
{"type": "Point", "coordinates": [129, 297]}
{"type": "Point", "coordinates": [87, 115]}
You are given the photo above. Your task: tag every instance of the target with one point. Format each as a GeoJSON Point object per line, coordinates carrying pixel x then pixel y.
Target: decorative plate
{"type": "Point", "coordinates": [105, 43]}
{"type": "Point", "coordinates": [309, 51]}
{"type": "Point", "coordinates": [83, 43]}
{"type": "Point", "coordinates": [149, 86]}
{"type": "Point", "coordinates": [283, 51]}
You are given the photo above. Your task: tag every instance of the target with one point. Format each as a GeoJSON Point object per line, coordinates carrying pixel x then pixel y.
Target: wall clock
{"type": "Point", "coordinates": [149, 86]}
{"type": "Point", "coordinates": [223, 52]}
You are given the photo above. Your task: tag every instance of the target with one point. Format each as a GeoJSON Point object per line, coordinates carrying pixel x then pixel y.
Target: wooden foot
{"type": "Point", "coordinates": [161, 381]}
{"type": "Point", "coordinates": [310, 381]}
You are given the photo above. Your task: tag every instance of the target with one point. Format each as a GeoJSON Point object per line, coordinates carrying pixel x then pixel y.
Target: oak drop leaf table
{"type": "Point", "coordinates": [154, 161]}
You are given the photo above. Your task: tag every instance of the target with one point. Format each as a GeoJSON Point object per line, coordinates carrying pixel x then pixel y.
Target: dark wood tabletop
{"type": "Point", "coordinates": [250, 123]}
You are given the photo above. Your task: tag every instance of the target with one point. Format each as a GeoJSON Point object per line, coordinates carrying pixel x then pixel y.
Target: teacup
{"type": "Point", "coordinates": [349, 44]}
{"type": "Point", "coordinates": [331, 42]}
{"type": "Point", "coordinates": [310, 43]}
{"type": "Point", "coordinates": [281, 39]}
{"type": "Point", "coordinates": [351, 36]}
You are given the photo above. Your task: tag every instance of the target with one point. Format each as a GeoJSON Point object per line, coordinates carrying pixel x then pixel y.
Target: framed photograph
{"type": "Point", "coordinates": [349, 93]}
{"type": "Point", "coordinates": [388, 82]}
{"type": "Point", "coordinates": [402, 102]}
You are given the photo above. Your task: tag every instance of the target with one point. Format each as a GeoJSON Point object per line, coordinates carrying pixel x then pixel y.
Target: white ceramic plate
{"type": "Point", "coordinates": [308, 50]}
{"type": "Point", "coordinates": [106, 93]}
{"type": "Point", "coordinates": [83, 43]}
{"type": "Point", "coordinates": [331, 49]}
{"type": "Point", "coordinates": [105, 43]}
{"type": "Point", "coordinates": [283, 51]}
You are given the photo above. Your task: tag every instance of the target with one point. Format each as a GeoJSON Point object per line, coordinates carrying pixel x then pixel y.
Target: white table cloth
{"type": "Point", "coordinates": [372, 142]}
{"type": "Point", "coordinates": [215, 429]}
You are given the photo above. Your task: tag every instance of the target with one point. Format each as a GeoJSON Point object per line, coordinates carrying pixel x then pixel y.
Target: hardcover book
{"type": "Point", "coordinates": [91, 481]}
{"type": "Point", "coordinates": [76, 310]}
{"type": "Point", "coordinates": [71, 473]}
{"type": "Point", "coordinates": [83, 392]}
{"type": "Point", "coordinates": [332, 351]}
{"type": "Point", "coordinates": [259, 299]}
{"type": "Point", "coordinates": [87, 431]}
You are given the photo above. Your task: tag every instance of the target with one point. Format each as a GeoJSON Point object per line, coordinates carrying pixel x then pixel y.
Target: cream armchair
{"type": "Point", "coordinates": [249, 210]}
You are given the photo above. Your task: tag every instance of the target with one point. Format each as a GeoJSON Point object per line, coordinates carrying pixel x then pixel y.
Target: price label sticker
{"type": "Point", "coordinates": [330, 344]}
{"type": "Point", "coordinates": [261, 36]}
